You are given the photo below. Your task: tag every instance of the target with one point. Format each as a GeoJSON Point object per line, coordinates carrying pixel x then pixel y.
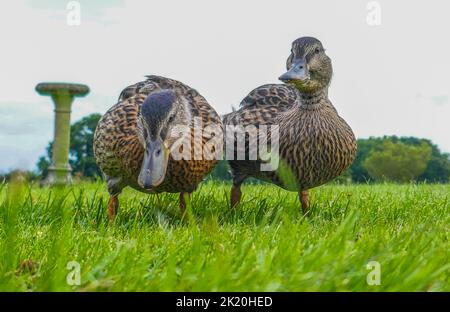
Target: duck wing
{"type": "Point", "coordinates": [263, 105]}
{"type": "Point", "coordinates": [271, 94]}
{"type": "Point", "coordinates": [155, 83]}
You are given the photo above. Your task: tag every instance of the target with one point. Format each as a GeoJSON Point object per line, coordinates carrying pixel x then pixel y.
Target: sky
{"type": "Point", "coordinates": [390, 59]}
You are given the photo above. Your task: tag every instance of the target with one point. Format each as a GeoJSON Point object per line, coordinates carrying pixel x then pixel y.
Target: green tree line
{"type": "Point", "coordinates": [388, 158]}
{"type": "Point", "coordinates": [400, 159]}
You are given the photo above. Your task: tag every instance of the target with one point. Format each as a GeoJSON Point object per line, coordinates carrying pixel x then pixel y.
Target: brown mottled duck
{"type": "Point", "coordinates": [135, 140]}
{"type": "Point", "coordinates": [315, 143]}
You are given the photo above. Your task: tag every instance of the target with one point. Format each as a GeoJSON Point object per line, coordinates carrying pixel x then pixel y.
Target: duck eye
{"type": "Point", "coordinates": [171, 118]}
{"type": "Point", "coordinates": [317, 50]}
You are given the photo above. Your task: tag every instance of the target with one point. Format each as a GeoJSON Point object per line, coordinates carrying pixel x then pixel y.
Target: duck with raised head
{"type": "Point", "coordinates": [315, 144]}
{"type": "Point", "coordinates": [134, 141]}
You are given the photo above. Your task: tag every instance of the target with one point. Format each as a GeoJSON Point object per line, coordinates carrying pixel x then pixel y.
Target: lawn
{"type": "Point", "coordinates": [47, 236]}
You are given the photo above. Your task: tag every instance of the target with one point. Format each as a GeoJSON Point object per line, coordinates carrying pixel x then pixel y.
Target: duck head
{"type": "Point", "coordinates": [309, 68]}
{"type": "Point", "coordinates": [160, 113]}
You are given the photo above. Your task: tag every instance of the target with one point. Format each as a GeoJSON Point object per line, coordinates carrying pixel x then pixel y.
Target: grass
{"type": "Point", "coordinates": [264, 245]}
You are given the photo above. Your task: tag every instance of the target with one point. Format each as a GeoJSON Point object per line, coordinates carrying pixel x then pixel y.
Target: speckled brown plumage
{"type": "Point", "coordinates": [316, 144]}
{"type": "Point", "coordinates": [119, 152]}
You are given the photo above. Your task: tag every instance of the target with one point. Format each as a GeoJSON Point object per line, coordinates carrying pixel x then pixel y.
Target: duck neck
{"type": "Point", "coordinates": [313, 100]}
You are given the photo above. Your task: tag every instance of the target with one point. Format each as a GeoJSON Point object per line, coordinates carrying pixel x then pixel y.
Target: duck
{"type": "Point", "coordinates": [147, 140]}
{"type": "Point", "coordinates": [315, 144]}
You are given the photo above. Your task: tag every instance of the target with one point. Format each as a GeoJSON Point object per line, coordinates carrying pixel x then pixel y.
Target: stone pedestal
{"type": "Point", "coordinates": [59, 172]}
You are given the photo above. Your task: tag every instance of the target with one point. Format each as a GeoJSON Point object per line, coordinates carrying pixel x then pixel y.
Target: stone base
{"type": "Point", "coordinates": [58, 176]}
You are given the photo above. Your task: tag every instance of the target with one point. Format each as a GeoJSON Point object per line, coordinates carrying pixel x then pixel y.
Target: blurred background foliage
{"type": "Point", "coordinates": [379, 159]}
{"type": "Point", "coordinates": [400, 159]}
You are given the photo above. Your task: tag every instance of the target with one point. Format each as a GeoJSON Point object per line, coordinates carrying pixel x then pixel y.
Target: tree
{"type": "Point", "coordinates": [398, 161]}
{"type": "Point", "coordinates": [221, 171]}
{"type": "Point", "coordinates": [81, 154]}
{"type": "Point", "coordinates": [44, 161]}
{"type": "Point", "coordinates": [438, 167]}
{"type": "Point", "coordinates": [437, 170]}
{"type": "Point", "coordinates": [365, 146]}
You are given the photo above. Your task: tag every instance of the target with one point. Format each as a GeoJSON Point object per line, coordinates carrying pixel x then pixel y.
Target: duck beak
{"type": "Point", "coordinates": [298, 71]}
{"type": "Point", "coordinates": [154, 165]}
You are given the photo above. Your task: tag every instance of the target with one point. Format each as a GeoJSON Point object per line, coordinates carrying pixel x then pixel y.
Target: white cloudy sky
{"type": "Point", "coordinates": [389, 79]}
